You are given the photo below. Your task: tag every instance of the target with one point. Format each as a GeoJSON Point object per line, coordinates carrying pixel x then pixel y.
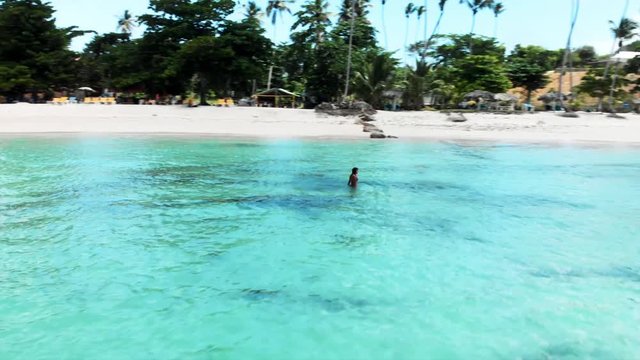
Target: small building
{"type": "Point", "coordinates": [276, 97]}
{"type": "Point", "coordinates": [504, 102]}
{"type": "Point", "coordinates": [624, 57]}
{"type": "Point", "coordinates": [392, 99]}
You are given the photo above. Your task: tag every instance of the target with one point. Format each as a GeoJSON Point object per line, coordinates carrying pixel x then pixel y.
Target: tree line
{"type": "Point", "coordinates": [193, 48]}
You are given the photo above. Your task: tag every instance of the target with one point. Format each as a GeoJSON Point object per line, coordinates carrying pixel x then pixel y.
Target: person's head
{"type": "Point", "coordinates": [354, 171]}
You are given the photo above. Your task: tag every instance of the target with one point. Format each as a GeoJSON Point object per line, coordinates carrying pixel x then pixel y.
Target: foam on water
{"type": "Point", "coordinates": [176, 249]}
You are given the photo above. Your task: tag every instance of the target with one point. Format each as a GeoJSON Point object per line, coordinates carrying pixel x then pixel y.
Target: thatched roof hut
{"type": "Point", "coordinates": [504, 97]}
{"type": "Point", "coordinates": [477, 95]}
{"type": "Point", "coordinates": [276, 97]}
{"type": "Point", "coordinates": [552, 96]}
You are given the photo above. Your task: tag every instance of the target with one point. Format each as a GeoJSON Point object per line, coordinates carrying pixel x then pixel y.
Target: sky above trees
{"type": "Point", "coordinates": [540, 22]}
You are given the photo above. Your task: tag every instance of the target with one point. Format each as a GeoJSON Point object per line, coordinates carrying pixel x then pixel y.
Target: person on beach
{"type": "Point", "coordinates": [353, 179]}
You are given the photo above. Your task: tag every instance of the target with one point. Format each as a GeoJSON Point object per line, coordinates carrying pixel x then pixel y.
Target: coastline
{"type": "Point", "coordinates": [25, 120]}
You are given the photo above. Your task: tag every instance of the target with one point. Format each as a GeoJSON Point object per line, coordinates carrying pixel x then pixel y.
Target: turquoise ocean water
{"type": "Point", "coordinates": [207, 249]}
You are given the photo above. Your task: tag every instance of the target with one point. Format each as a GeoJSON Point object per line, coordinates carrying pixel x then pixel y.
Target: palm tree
{"type": "Point", "coordinates": [441, 5]}
{"type": "Point", "coordinates": [497, 10]}
{"type": "Point", "coordinates": [624, 31]}
{"type": "Point", "coordinates": [274, 8]}
{"type": "Point", "coordinates": [253, 11]}
{"type": "Point", "coordinates": [436, 28]}
{"type": "Point", "coordinates": [419, 12]}
{"type": "Point", "coordinates": [613, 49]}
{"type": "Point", "coordinates": [127, 22]}
{"type": "Point", "coordinates": [408, 11]}
{"type": "Point", "coordinates": [375, 77]}
{"type": "Point", "coordinates": [475, 6]}
{"type": "Point", "coordinates": [314, 15]}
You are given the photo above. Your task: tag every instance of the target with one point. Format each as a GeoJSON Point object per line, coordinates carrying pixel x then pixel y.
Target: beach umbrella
{"type": "Point", "coordinates": [86, 88]}
{"type": "Point", "coordinates": [552, 96]}
{"type": "Point", "coordinates": [476, 95]}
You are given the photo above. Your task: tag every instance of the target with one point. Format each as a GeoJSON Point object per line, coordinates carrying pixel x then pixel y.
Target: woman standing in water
{"type": "Point", "coordinates": [353, 179]}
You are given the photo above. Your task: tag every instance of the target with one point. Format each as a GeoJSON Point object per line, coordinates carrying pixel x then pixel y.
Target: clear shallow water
{"type": "Point", "coordinates": [200, 249]}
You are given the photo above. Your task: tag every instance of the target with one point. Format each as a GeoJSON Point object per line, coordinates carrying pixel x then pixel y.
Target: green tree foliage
{"type": "Point", "coordinates": [455, 64]}
{"type": "Point", "coordinates": [364, 34]}
{"type": "Point", "coordinates": [375, 76]}
{"type": "Point", "coordinates": [314, 20]}
{"type": "Point", "coordinates": [99, 60]}
{"type": "Point", "coordinates": [484, 72]}
{"type": "Point", "coordinates": [200, 57]}
{"type": "Point", "coordinates": [193, 38]}
{"type": "Point", "coordinates": [251, 57]}
{"type": "Point", "coordinates": [527, 67]}
{"type": "Point", "coordinates": [415, 86]}
{"type": "Point", "coordinates": [597, 85]}
{"type": "Point", "coordinates": [309, 41]}
{"type": "Point", "coordinates": [183, 20]}
{"type": "Point", "coordinates": [586, 56]}
{"type": "Point", "coordinates": [34, 53]}
{"type": "Point", "coordinates": [457, 47]}
{"type": "Point", "coordinates": [15, 79]}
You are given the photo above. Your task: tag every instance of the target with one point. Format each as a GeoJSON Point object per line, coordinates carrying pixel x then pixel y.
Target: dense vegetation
{"type": "Point", "coordinates": [193, 48]}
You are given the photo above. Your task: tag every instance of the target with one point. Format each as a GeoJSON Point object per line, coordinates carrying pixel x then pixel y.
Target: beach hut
{"type": "Point", "coordinates": [551, 100]}
{"type": "Point", "coordinates": [504, 102]}
{"type": "Point", "coordinates": [479, 94]}
{"type": "Point", "coordinates": [478, 98]}
{"type": "Point", "coordinates": [393, 99]}
{"type": "Point", "coordinates": [276, 97]}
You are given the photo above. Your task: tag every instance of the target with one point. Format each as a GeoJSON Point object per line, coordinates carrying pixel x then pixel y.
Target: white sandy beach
{"type": "Point", "coordinates": [288, 123]}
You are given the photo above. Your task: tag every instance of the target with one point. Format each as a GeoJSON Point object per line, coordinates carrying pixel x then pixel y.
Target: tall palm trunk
{"type": "Point", "coordinates": [350, 53]}
{"type": "Point", "coordinates": [473, 29]}
{"type": "Point", "coordinates": [384, 27]}
{"type": "Point", "coordinates": [606, 70]}
{"type": "Point", "coordinates": [417, 38]}
{"type": "Point", "coordinates": [426, 22]}
{"type": "Point", "coordinates": [473, 23]}
{"type": "Point", "coordinates": [614, 78]}
{"type": "Point", "coordinates": [406, 40]}
{"type": "Point", "coordinates": [615, 75]}
{"type": "Point", "coordinates": [436, 28]}
{"type": "Point", "coordinates": [203, 90]}
{"type": "Point", "coordinates": [567, 51]}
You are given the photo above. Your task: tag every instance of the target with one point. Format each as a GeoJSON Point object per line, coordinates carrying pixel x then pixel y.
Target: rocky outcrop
{"type": "Point", "coordinates": [569, 114]}
{"type": "Point", "coordinates": [378, 135]}
{"type": "Point", "coordinates": [354, 108]}
{"type": "Point", "coordinates": [457, 118]}
{"type": "Point", "coordinates": [375, 132]}
{"type": "Point", "coordinates": [615, 116]}
{"type": "Point", "coordinates": [361, 110]}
